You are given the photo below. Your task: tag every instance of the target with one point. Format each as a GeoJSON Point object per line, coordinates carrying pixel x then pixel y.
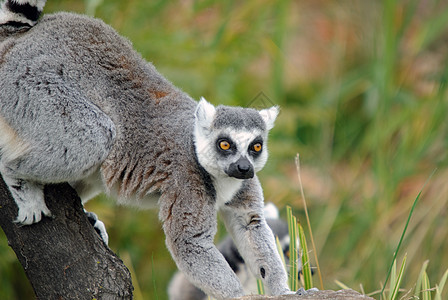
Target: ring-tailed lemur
{"type": "Point", "coordinates": [180, 287]}
{"type": "Point", "coordinates": [79, 105]}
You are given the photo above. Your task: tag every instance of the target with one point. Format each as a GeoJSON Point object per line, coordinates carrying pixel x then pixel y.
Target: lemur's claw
{"type": "Point", "coordinates": [31, 213]}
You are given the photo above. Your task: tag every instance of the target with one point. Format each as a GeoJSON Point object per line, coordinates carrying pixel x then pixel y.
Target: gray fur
{"type": "Point", "coordinates": [180, 287]}
{"type": "Point", "coordinates": [78, 104]}
{"type": "Point", "coordinates": [245, 222]}
{"type": "Point", "coordinates": [233, 117]}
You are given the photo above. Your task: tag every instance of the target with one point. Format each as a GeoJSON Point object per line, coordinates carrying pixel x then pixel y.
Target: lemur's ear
{"type": "Point", "coordinates": [269, 115]}
{"type": "Point", "coordinates": [205, 112]}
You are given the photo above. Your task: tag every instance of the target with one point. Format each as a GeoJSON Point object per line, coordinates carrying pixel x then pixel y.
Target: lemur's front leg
{"type": "Point", "coordinates": [190, 227]}
{"type": "Point", "coordinates": [244, 219]}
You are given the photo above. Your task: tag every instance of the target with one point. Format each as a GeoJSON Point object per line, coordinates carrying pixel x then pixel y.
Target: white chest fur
{"type": "Point", "coordinates": [226, 188]}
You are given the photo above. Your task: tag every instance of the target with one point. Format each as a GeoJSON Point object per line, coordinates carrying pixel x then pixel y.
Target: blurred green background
{"type": "Point", "coordinates": [362, 87]}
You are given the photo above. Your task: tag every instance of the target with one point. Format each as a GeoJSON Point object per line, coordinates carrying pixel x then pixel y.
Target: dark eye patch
{"type": "Point", "coordinates": [225, 146]}
{"type": "Point", "coordinates": [258, 141]}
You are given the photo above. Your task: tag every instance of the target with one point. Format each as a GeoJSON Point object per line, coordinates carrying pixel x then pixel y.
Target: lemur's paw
{"type": "Point", "coordinates": [29, 197]}
{"type": "Point", "coordinates": [31, 212]}
{"type": "Point", "coordinates": [98, 226]}
{"type": "Point", "coordinates": [303, 292]}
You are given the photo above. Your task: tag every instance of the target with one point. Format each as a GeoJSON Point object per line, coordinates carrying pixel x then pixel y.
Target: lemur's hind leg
{"type": "Point", "coordinates": [62, 150]}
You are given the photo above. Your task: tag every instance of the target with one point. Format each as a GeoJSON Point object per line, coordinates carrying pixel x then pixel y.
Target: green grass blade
{"type": "Point", "coordinates": [443, 280]}
{"type": "Point", "coordinates": [310, 231]}
{"type": "Point", "coordinates": [342, 285]}
{"type": "Point", "coordinates": [440, 286]}
{"type": "Point", "coordinates": [405, 228]}
{"type": "Point", "coordinates": [438, 295]}
{"type": "Point", "coordinates": [396, 287]}
{"type": "Point", "coordinates": [383, 293]}
{"type": "Point", "coordinates": [418, 286]}
{"type": "Point", "coordinates": [260, 287]}
{"type": "Point", "coordinates": [434, 28]}
{"type": "Point", "coordinates": [293, 259]}
{"type": "Point", "coordinates": [426, 287]}
{"type": "Point", "coordinates": [306, 268]}
{"type": "Point", "coordinates": [393, 278]}
{"type": "Point", "coordinates": [280, 251]}
{"type": "Point", "coordinates": [156, 296]}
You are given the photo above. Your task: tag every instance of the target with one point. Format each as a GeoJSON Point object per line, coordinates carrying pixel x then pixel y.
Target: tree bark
{"type": "Point", "coordinates": [63, 257]}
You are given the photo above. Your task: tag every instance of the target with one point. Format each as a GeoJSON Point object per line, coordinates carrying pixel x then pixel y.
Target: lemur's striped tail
{"type": "Point", "coordinates": [21, 12]}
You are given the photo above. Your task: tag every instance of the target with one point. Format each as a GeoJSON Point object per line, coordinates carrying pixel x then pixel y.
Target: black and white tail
{"type": "Point", "coordinates": [21, 12]}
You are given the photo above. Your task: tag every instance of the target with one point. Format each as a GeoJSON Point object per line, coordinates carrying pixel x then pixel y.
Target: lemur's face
{"type": "Point", "coordinates": [231, 141]}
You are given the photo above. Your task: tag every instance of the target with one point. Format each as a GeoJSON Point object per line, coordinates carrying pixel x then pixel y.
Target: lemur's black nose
{"type": "Point", "coordinates": [244, 167]}
{"type": "Point", "coordinates": [241, 169]}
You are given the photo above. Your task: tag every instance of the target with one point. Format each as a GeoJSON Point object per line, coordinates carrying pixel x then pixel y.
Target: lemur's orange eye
{"type": "Point", "coordinates": [224, 145]}
{"type": "Point", "coordinates": [257, 147]}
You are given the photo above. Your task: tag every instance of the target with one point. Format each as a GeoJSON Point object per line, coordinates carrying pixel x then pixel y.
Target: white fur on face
{"type": "Point", "coordinates": [226, 186]}
{"type": "Point", "coordinates": [8, 16]}
{"type": "Point", "coordinates": [37, 3]}
{"type": "Point", "coordinates": [205, 139]}
{"type": "Point", "coordinates": [216, 165]}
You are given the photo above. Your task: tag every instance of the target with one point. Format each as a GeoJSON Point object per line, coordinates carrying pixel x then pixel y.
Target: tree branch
{"type": "Point", "coordinates": [63, 257]}
{"type": "Point", "coordinates": [319, 295]}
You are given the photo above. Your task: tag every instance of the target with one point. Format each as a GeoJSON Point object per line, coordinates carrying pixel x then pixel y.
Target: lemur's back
{"type": "Point", "coordinates": [90, 60]}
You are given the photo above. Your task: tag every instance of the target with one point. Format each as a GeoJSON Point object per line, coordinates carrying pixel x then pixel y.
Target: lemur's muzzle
{"type": "Point", "coordinates": [241, 169]}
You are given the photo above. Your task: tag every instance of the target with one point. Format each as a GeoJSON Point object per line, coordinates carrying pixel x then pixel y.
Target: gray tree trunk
{"type": "Point", "coordinates": [63, 257]}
